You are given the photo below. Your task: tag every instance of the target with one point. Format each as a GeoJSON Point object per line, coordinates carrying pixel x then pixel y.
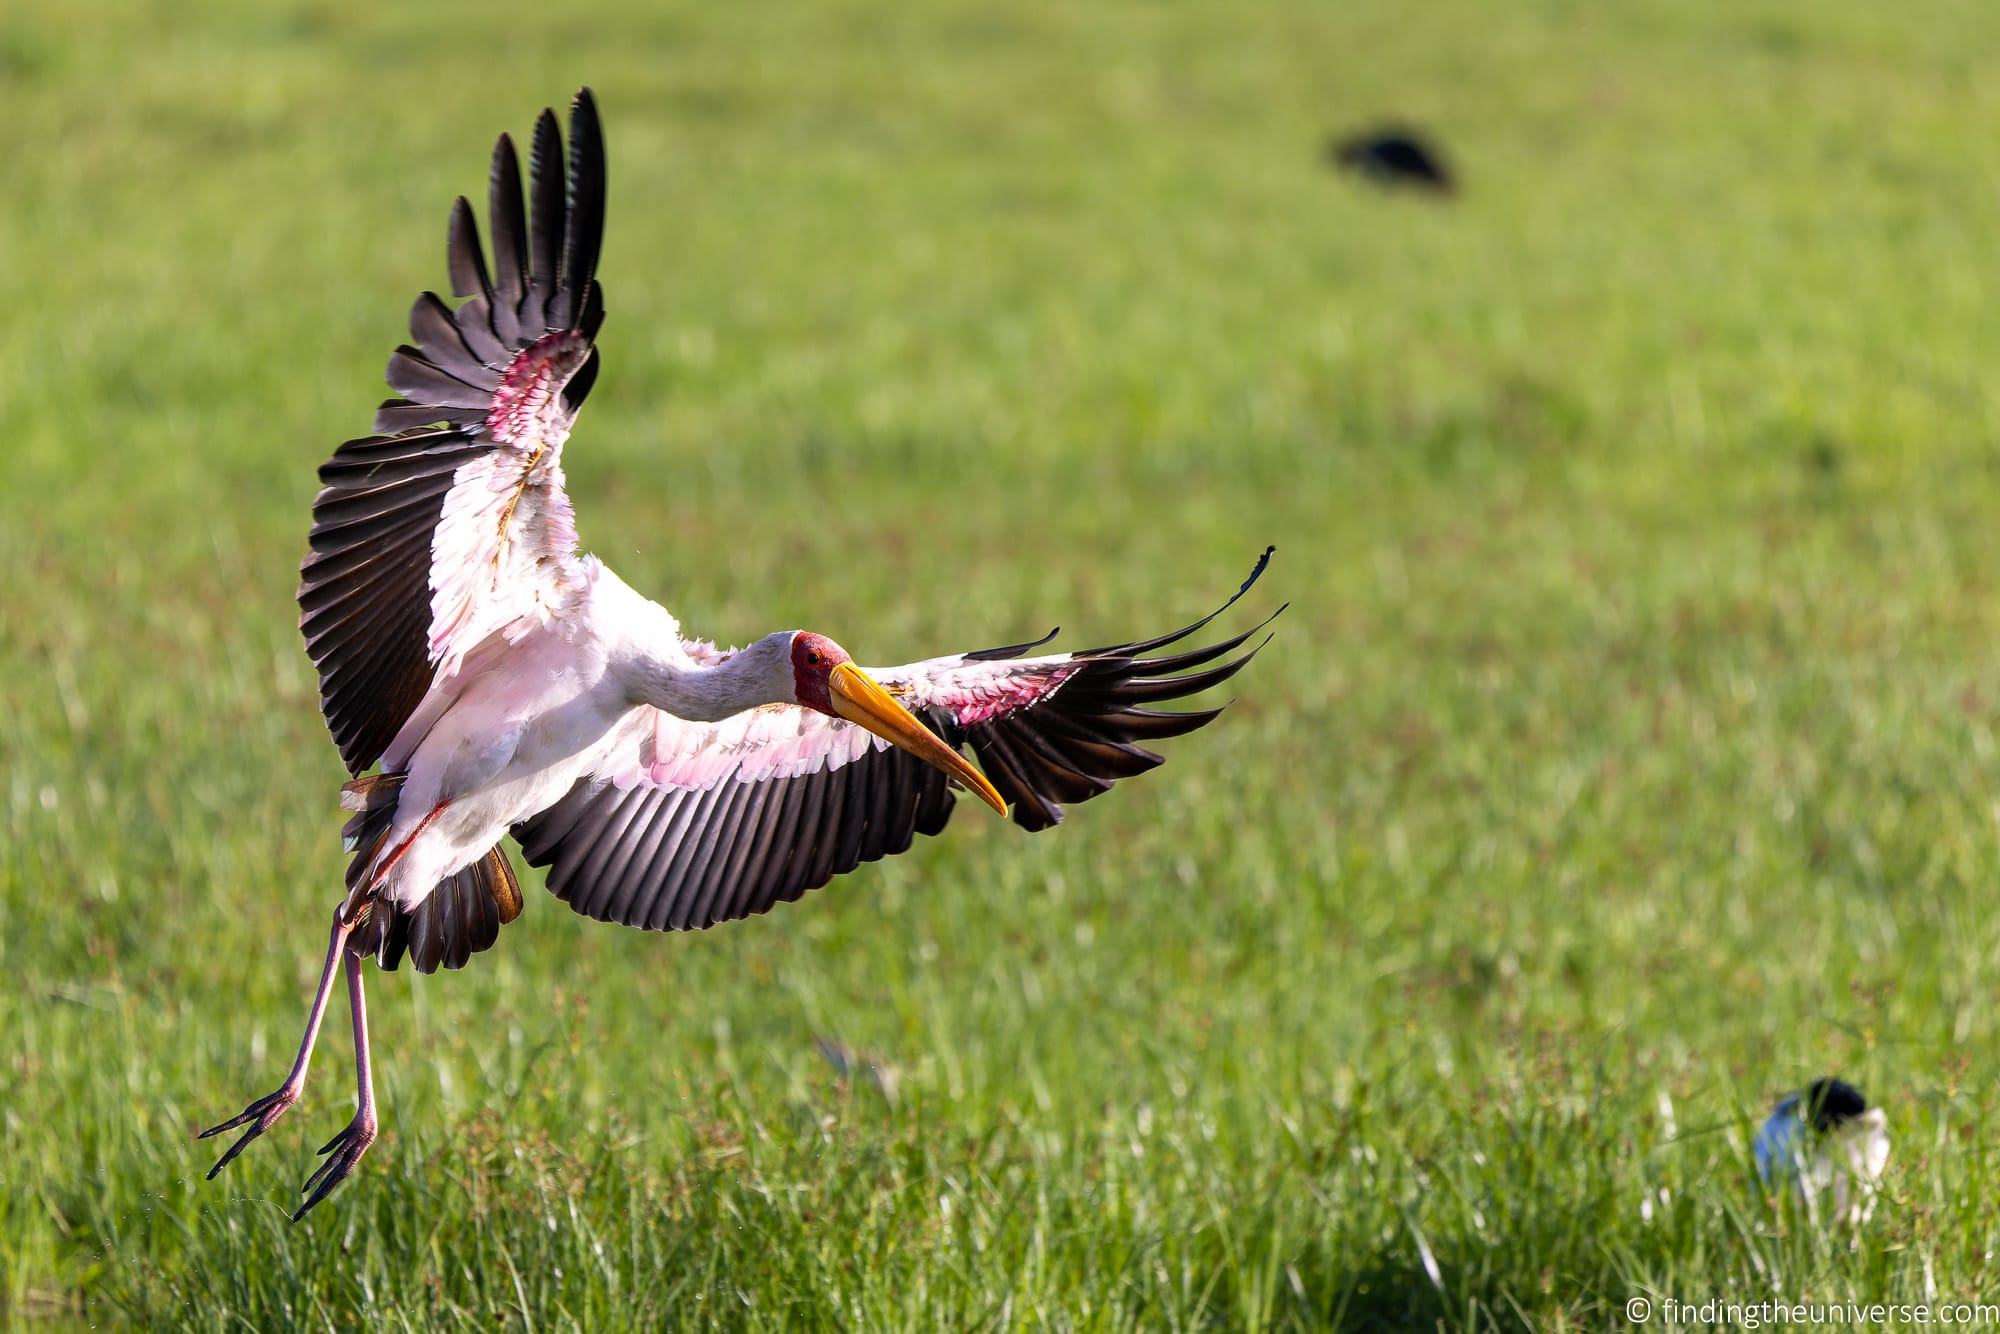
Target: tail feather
{"type": "Point", "coordinates": [456, 920]}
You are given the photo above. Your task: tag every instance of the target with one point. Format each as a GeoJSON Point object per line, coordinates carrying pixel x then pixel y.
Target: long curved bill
{"type": "Point", "coordinates": [860, 700]}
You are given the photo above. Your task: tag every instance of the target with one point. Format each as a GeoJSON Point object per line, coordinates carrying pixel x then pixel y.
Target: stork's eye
{"type": "Point", "coordinates": [812, 656]}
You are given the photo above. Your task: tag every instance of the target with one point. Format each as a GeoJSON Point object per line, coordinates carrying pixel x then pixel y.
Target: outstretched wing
{"type": "Point", "coordinates": [452, 523]}
{"type": "Point", "coordinates": [690, 824]}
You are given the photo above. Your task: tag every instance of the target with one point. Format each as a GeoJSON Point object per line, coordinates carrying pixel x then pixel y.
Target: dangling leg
{"type": "Point", "coordinates": [347, 1147]}
{"type": "Point", "coordinates": [262, 1114]}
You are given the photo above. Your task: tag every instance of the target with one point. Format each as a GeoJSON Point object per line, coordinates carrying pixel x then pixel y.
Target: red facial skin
{"type": "Point", "coordinates": [813, 659]}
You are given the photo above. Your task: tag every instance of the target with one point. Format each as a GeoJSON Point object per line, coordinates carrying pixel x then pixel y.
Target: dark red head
{"type": "Point", "coordinates": [813, 659]}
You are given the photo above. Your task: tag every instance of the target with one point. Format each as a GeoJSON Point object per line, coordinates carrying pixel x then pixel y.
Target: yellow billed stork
{"type": "Point", "coordinates": [499, 682]}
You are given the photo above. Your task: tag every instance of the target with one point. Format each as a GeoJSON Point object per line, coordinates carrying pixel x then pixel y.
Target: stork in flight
{"type": "Point", "coordinates": [499, 682]}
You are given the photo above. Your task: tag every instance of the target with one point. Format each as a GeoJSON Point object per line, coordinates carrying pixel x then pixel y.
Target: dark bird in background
{"type": "Point", "coordinates": [1392, 155]}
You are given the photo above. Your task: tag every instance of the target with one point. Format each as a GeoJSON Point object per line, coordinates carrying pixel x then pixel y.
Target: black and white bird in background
{"type": "Point", "coordinates": [1830, 1146]}
{"type": "Point", "coordinates": [1393, 155]}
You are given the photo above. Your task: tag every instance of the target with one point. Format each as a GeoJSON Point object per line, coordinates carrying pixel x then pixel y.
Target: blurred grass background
{"type": "Point", "coordinates": [1624, 761]}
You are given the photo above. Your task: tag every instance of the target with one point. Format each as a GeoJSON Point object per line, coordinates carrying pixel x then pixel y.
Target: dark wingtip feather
{"type": "Point", "coordinates": [587, 184]}
{"type": "Point", "coordinates": [1134, 689]}
{"type": "Point", "coordinates": [463, 256]}
{"type": "Point", "coordinates": [1161, 641]}
{"type": "Point", "coordinates": [1258, 572]}
{"type": "Point", "coordinates": [1006, 651]}
{"type": "Point", "coordinates": [507, 218]}
{"type": "Point", "coordinates": [1160, 724]}
{"type": "Point", "coordinates": [548, 201]}
{"type": "Point", "coordinates": [1177, 662]}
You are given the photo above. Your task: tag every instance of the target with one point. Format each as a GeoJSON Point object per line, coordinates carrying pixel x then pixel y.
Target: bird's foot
{"type": "Point", "coordinates": [342, 1153]}
{"type": "Point", "coordinates": [260, 1116]}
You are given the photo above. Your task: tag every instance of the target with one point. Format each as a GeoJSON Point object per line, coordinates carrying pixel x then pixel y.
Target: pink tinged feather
{"type": "Point", "coordinates": [974, 692]}
{"type": "Point", "coordinates": [528, 407]}
{"type": "Point", "coordinates": [777, 741]}
{"type": "Point", "coordinates": [503, 553]}
{"type": "Point", "coordinates": [704, 653]}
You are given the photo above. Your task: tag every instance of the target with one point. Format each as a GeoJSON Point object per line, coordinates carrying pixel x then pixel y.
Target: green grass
{"type": "Point", "coordinates": [1626, 758]}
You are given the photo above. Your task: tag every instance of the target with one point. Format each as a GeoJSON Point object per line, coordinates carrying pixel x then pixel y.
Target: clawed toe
{"type": "Point", "coordinates": [342, 1153]}
{"type": "Point", "coordinates": [260, 1116]}
{"type": "Point", "coordinates": [346, 1148]}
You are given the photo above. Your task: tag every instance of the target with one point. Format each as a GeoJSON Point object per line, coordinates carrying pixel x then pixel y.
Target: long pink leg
{"type": "Point", "coordinates": [347, 1147]}
{"type": "Point", "coordinates": [262, 1114]}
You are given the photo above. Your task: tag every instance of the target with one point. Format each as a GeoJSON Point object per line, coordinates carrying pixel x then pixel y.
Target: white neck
{"type": "Point", "coordinates": [651, 665]}
{"type": "Point", "coordinates": [656, 670]}
{"type": "Point", "coordinates": [700, 694]}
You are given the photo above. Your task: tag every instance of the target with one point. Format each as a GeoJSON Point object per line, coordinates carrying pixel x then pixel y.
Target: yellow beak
{"type": "Point", "coordinates": [860, 700]}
